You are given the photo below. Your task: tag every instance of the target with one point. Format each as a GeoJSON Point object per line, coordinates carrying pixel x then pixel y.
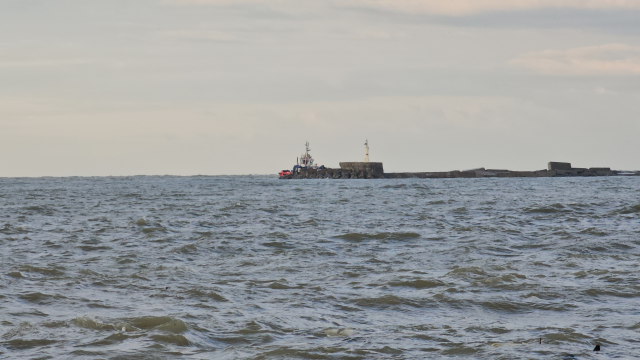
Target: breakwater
{"type": "Point", "coordinates": [355, 170]}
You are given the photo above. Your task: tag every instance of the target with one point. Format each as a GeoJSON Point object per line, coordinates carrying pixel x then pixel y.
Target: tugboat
{"type": "Point", "coordinates": [304, 161]}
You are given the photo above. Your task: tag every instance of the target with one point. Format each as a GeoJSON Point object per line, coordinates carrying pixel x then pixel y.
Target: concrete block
{"type": "Point", "coordinates": [374, 167]}
{"type": "Point", "coordinates": [559, 166]}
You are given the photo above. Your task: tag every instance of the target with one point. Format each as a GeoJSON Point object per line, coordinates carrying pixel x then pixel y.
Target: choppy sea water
{"type": "Point", "coordinates": [261, 268]}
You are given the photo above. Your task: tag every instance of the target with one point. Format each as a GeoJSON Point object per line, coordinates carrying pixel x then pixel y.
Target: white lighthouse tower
{"type": "Point", "coordinates": [366, 148]}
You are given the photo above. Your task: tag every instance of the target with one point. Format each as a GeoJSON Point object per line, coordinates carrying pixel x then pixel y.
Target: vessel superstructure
{"type": "Point", "coordinates": [305, 160]}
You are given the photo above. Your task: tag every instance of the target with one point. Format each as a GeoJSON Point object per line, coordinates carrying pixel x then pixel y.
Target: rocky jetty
{"type": "Point", "coordinates": [375, 171]}
{"type": "Point", "coordinates": [335, 174]}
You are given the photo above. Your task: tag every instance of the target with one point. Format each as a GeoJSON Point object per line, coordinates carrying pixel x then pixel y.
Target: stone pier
{"type": "Point", "coordinates": [361, 170]}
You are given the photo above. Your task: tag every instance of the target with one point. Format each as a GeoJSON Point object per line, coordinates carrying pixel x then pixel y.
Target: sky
{"type": "Point", "coordinates": [219, 87]}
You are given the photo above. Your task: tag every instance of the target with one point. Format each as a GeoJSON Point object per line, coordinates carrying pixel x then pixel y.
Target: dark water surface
{"type": "Point", "coordinates": [258, 268]}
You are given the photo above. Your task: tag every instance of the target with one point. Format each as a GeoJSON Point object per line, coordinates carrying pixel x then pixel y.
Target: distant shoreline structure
{"type": "Point", "coordinates": [375, 170]}
{"type": "Point", "coordinates": [362, 171]}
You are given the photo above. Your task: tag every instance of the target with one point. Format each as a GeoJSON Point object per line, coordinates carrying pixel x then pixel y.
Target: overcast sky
{"type": "Point", "coordinates": [187, 87]}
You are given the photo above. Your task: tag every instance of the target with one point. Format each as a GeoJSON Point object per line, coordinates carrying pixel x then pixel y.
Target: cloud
{"type": "Point", "coordinates": [43, 63]}
{"type": "Point", "coordinates": [609, 59]}
{"type": "Point", "coordinates": [282, 6]}
{"type": "Point", "coordinates": [602, 91]}
{"type": "Point", "coordinates": [435, 7]}
{"type": "Point", "coordinates": [205, 35]}
{"type": "Point", "coordinates": [466, 7]}
{"type": "Point", "coordinates": [227, 2]}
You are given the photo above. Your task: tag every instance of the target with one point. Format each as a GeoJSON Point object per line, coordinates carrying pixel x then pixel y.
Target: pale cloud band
{"type": "Point", "coordinates": [609, 59]}
{"type": "Point", "coordinates": [464, 7]}
{"type": "Point", "coordinates": [436, 7]}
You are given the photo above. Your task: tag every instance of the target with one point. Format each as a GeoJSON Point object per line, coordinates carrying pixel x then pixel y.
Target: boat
{"type": "Point", "coordinates": [285, 174]}
{"type": "Point", "coordinates": [304, 161]}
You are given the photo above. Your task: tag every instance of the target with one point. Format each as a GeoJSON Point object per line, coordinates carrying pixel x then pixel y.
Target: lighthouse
{"type": "Point", "coordinates": [366, 151]}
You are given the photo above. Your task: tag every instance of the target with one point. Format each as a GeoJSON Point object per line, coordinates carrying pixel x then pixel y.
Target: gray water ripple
{"type": "Point", "coordinates": [254, 267]}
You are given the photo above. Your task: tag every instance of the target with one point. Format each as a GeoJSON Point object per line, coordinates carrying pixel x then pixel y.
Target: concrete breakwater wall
{"type": "Point", "coordinates": [501, 174]}
{"type": "Point", "coordinates": [361, 170]}
{"type": "Point", "coordinates": [372, 167]}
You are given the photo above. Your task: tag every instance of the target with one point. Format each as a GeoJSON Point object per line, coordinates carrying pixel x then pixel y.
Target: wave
{"type": "Point", "coordinates": [467, 271]}
{"type": "Point", "coordinates": [187, 249]}
{"type": "Point", "coordinates": [278, 245]}
{"type": "Point", "coordinates": [22, 344]}
{"type": "Point", "coordinates": [593, 231]}
{"type": "Point", "coordinates": [417, 283]}
{"type": "Point", "coordinates": [398, 186]}
{"type": "Point", "coordinates": [628, 210]}
{"type": "Point", "coordinates": [162, 324]}
{"type": "Point", "coordinates": [172, 339]}
{"type": "Point", "coordinates": [41, 298]}
{"type": "Point", "coordinates": [387, 301]}
{"type": "Point", "coordinates": [51, 271]}
{"type": "Point", "coordinates": [379, 236]}
{"type": "Point", "coordinates": [92, 323]}
{"type": "Point", "coordinates": [550, 209]}
{"type": "Point", "coordinates": [205, 294]}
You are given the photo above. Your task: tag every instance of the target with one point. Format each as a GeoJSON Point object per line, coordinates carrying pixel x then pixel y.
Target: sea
{"type": "Point", "coordinates": [253, 267]}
